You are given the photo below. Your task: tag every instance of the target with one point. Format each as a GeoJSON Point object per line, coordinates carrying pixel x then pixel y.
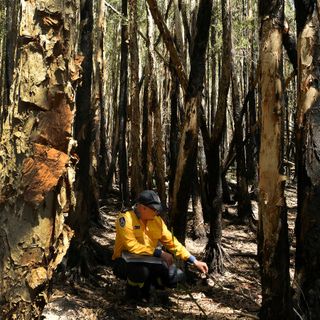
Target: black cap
{"type": "Point", "coordinates": [150, 199]}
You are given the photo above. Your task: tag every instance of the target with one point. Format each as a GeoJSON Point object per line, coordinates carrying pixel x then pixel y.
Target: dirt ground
{"type": "Point", "coordinates": [233, 295]}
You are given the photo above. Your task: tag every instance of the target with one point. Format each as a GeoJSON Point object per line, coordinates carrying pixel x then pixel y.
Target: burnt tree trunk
{"type": "Point", "coordinates": [136, 177]}
{"type": "Point", "coordinates": [147, 126]}
{"type": "Point", "coordinates": [273, 245]}
{"type": "Point", "coordinates": [189, 137]}
{"type": "Point", "coordinates": [86, 202]}
{"type": "Point", "coordinates": [123, 105]}
{"type": "Point", "coordinates": [243, 199]}
{"type": "Point", "coordinates": [213, 249]}
{"type": "Point", "coordinates": [307, 281]}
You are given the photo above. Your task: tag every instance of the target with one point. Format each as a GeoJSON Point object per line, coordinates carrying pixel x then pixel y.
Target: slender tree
{"type": "Point", "coordinates": [306, 282]}
{"type": "Point", "coordinates": [244, 202]}
{"type": "Point", "coordinates": [123, 104]}
{"type": "Point", "coordinates": [136, 177]}
{"type": "Point", "coordinates": [87, 205]}
{"type": "Point", "coordinates": [189, 137]}
{"type": "Point", "coordinates": [273, 246]}
{"type": "Point", "coordinates": [213, 249]}
{"type": "Point", "coordinates": [147, 126]}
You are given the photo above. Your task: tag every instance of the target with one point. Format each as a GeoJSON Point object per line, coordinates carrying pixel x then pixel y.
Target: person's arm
{"type": "Point", "coordinates": [177, 249]}
{"type": "Point", "coordinates": [130, 243]}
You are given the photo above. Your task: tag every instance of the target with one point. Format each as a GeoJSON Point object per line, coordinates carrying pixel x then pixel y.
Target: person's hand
{"type": "Point", "coordinates": [201, 266]}
{"type": "Point", "coordinates": [167, 257]}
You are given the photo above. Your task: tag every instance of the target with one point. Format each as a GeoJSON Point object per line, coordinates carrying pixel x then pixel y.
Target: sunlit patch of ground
{"type": "Point", "coordinates": [233, 295]}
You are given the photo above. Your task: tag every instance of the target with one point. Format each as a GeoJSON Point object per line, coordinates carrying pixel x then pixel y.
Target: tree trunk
{"type": "Point", "coordinates": [273, 247]}
{"type": "Point", "coordinates": [123, 105]}
{"type": "Point", "coordinates": [136, 177]}
{"type": "Point", "coordinates": [175, 99]}
{"type": "Point", "coordinates": [86, 202]}
{"type": "Point", "coordinates": [244, 203]}
{"type": "Point", "coordinates": [189, 136]}
{"type": "Point", "coordinates": [114, 121]}
{"type": "Point", "coordinates": [37, 166]}
{"type": "Point", "coordinates": [198, 221]}
{"type": "Point", "coordinates": [158, 147]}
{"type": "Point", "coordinates": [213, 249]}
{"type": "Point", "coordinates": [176, 59]}
{"type": "Point", "coordinates": [147, 130]}
{"type": "Point", "coordinates": [308, 166]}
{"type": "Point", "coordinates": [97, 150]}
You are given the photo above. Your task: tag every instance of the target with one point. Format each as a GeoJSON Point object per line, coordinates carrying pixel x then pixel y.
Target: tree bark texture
{"type": "Point", "coordinates": [97, 149]}
{"type": "Point", "coordinates": [158, 145]}
{"type": "Point", "coordinates": [86, 204]}
{"type": "Point", "coordinates": [123, 106]}
{"type": "Point", "coordinates": [244, 203]}
{"type": "Point", "coordinates": [213, 250]}
{"type": "Point", "coordinates": [136, 177]}
{"type": "Point", "coordinates": [175, 97]}
{"type": "Point", "coordinates": [273, 246]}
{"type": "Point", "coordinates": [306, 285]}
{"type": "Point", "coordinates": [147, 126]}
{"type": "Point", "coordinates": [189, 137]}
{"type": "Point", "coordinates": [36, 151]}
{"type": "Point", "coordinates": [176, 59]}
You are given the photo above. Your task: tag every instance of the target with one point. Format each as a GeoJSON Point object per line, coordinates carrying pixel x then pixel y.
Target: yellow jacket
{"type": "Point", "coordinates": [133, 236]}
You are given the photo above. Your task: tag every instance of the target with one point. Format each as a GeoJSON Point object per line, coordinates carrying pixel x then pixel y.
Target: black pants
{"type": "Point", "coordinates": [146, 274]}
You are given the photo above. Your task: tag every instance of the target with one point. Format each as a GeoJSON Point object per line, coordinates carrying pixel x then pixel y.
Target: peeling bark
{"type": "Point", "coordinates": [36, 153]}
{"type": "Point", "coordinates": [273, 246]}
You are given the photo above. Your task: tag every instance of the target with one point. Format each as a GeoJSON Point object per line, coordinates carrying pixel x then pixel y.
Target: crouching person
{"type": "Point", "coordinates": [137, 258]}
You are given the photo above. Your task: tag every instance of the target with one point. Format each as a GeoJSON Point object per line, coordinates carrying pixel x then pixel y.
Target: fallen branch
{"type": "Point", "coordinates": [249, 315]}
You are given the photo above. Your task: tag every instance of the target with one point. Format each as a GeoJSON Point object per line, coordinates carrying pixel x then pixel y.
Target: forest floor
{"type": "Point", "coordinates": [233, 295]}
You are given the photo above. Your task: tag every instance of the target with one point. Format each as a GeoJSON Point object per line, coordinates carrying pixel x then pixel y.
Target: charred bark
{"type": "Point", "coordinates": [123, 105]}
{"type": "Point", "coordinates": [189, 137]}
{"type": "Point", "coordinates": [136, 177]}
{"type": "Point", "coordinates": [306, 283]}
{"type": "Point", "coordinates": [244, 203]}
{"type": "Point", "coordinates": [308, 222]}
{"type": "Point", "coordinates": [273, 246]}
{"type": "Point", "coordinates": [199, 230]}
{"type": "Point", "coordinates": [213, 249]}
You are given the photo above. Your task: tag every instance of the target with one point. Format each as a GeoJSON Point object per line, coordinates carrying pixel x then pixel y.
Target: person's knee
{"type": "Point", "coordinates": [137, 273]}
{"type": "Point", "coordinates": [120, 269]}
{"type": "Point", "coordinates": [175, 275]}
{"type": "Point", "coordinates": [168, 277]}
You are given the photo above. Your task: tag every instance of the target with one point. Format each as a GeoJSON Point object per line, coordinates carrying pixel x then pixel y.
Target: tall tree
{"type": "Point", "coordinates": [123, 105]}
{"type": "Point", "coordinates": [87, 205]}
{"type": "Point", "coordinates": [147, 130]}
{"type": "Point", "coordinates": [273, 245]}
{"type": "Point", "coordinates": [308, 167]}
{"type": "Point", "coordinates": [244, 202]}
{"type": "Point", "coordinates": [189, 136]}
{"type": "Point", "coordinates": [136, 177]}
{"type": "Point", "coordinates": [213, 249]}
{"type": "Point", "coordinates": [37, 163]}
{"type": "Point", "coordinates": [192, 88]}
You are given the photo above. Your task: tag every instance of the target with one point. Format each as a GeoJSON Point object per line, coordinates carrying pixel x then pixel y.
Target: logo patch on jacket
{"type": "Point", "coordinates": [122, 221]}
{"type": "Point", "coordinates": [136, 227]}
